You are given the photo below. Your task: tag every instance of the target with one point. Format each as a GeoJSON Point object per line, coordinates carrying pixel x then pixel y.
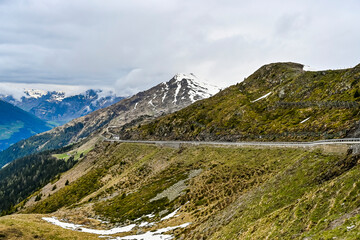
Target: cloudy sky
{"type": "Point", "coordinates": [133, 45]}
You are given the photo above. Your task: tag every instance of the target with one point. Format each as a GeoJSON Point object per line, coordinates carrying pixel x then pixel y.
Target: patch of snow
{"type": "Point", "coordinates": [170, 215]}
{"type": "Point", "coordinates": [79, 228]}
{"type": "Point", "coordinates": [135, 105]}
{"type": "Point", "coordinates": [5, 165]}
{"type": "Point", "coordinates": [151, 103]}
{"type": "Point", "coordinates": [262, 97]}
{"type": "Point", "coordinates": [165, 92]}
{"type": "Point", "coordinates": [156, 235]}
{"type": "Point", "coordinates": [146, 216]}
{"type": "Point", "coordinates": [305, 120]}
{"type": "Point", "coordinates": [180, 76]}
{"type": "Point", "coordinates": [150, 215]}
{"type": "Point", "coordinates": [34, 93]}
{"type": "Point", "coordinates": [177, 91]}
{"type": "Point", "coordinates": [197, 88]}
{"type": "Point", "coordinates": [58, 96]}
{"type": "Point", "coordinates": [150, 235]}
{"type": "Point", "coordinates": [143, 224]}
{"type": "Point", "coordinates": [350, 227]}
{"type": "Point", "coordinates": [200, 89]}
{"type": "Point", "coordinates": [87, 109]}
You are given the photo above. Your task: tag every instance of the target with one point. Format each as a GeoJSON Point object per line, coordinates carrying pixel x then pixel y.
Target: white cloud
{"type": "Point", "coordinates": [133, 45]}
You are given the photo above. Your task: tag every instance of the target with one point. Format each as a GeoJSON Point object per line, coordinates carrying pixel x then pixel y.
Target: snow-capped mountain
{"type": "Point", "coordinates": [181, 91]}
{"type": "Point", "coordinates": [56, 106]}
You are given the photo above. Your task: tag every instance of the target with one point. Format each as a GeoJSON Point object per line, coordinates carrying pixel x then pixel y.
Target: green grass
{"type": "Point", "coordinates": [33, 227]}
{"type": "Point", "coordinates": [74, 153]}
{"type": "Point", "coordinates": [300, 202]}
{"type": "Point", "coordinates": [70, 194]}
{"type": "Point", "coordinates": [246, 193]}
{"type": "Point", "coordinates": [134, 205]}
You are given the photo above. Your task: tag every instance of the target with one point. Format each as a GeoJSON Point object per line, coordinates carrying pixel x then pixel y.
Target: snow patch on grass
{"type": "Point", "coordinates": [150, 235]}
{"type": "Point", "coordinates": [262, 97]}
{"type": "Point", "coordinates": [156, 235]}
{"type": "Point", "coordinates": [305, 120]}
{"type": "Point", "coordinates": [170, 215]}
{"type": "Point", "coordinates": [79, 228]}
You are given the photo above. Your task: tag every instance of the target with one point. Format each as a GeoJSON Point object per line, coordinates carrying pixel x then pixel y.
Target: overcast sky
{"type": "Point", "coordinates": [130, 45]}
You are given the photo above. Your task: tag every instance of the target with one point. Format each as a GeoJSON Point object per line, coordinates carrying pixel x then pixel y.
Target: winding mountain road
{"type": "Point", "coordinates": [344, 141]}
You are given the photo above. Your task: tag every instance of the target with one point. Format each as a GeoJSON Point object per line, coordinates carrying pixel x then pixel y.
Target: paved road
{"type": "Point", "coordinates": [284, 144]}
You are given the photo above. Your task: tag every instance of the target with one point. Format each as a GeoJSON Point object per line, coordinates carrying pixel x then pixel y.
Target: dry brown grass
{"type": "Point", "coordinates": [31, 226]}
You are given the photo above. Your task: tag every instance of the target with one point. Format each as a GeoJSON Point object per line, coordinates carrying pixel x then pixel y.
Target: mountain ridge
{"type": "Point", "coordinates": [148, 104]}
{"type": "Point", "coordinates": [280, 102]}
{"type": "Point", "coordinates": [59, 107]}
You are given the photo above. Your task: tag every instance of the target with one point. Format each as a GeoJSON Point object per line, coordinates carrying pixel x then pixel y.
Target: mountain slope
{"type": "Point", "coordinates": [57, 107]}
{"type": "Point", "coordinates": [280, 101]}
{"type": "Point", "coordinates": [16, 124]}
{"type": "Point", "coordinates": [164, 98]}
{"type": "Point", "coordinates": [224, 192]}
{"type": "Point", "coordinates": [215, 192]}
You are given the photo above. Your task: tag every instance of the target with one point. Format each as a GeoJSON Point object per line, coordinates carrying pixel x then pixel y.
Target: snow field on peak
{"type": "Point", "coordinates": [197, 88]}
{"type": "Point", "coordinates": [203, 90]}
{"type": "Point", "coordinates": [34, 93]}
{"type": "Point", "coordinates": [181, 76]}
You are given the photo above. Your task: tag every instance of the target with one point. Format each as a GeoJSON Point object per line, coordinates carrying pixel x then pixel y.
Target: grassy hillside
{"type": "Point", "coordinates": [16, 124]}
{"type": "Point", "coordinates": [279, 101]}
{"type": "Point", "coordinates": [28, 227]}
{"type": "Point", "coordinates": [225, 193]}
